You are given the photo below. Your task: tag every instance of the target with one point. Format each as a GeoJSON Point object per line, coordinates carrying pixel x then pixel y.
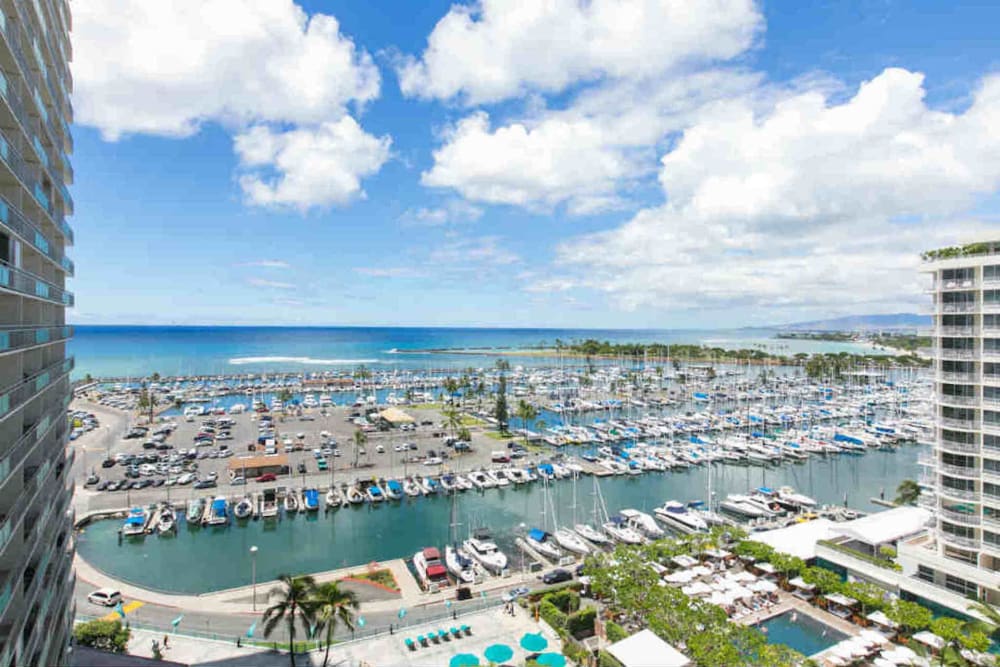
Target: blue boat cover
{"type": "Point", "coordinates": [219, 507]}
{"type": "Point", "coordinates": [764, 489]}
{"type": "Point", "coordinates": [840, 437]}
{"type": "Point", "coordinates": [135, 520]}
{"type": "Point", "coordinates": [312, 497]}
{"type": "Point", "coordinates": [375, 491]}
{"type": "Point", "coordinates": [394, 485]}
{"type": "Point", "coordinates": [696, 440]}
{"type": "Point", "coordinates": [699, 394]}
{"type": "Point", "coordinates": [757, 434]}
{"type": "Point", "coordinates": [537, 534]}
{"type": "Point", "coordinates": [546, 467]}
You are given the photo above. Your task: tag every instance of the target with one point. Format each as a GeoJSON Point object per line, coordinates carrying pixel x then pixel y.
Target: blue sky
{"type": "Point", "coordinates": [602, 164]}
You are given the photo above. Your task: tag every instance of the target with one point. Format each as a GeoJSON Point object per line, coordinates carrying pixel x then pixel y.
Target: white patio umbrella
{"type": "Point", "coordinates": [874, 637]}
{"type": "Point", "coordinates": [882, 662]}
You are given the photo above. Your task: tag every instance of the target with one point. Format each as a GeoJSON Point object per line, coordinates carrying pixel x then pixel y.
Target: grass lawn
{"type": "Point", "coordinates": [383, 577]}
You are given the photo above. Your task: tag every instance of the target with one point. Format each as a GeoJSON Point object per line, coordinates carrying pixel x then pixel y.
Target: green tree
{"type": "Point", "coordinates": [868, 595]}
{"type": "Point", "coordinates": [147, 401]}
{"type": "Point", "coordinates": [464, 434]}
{"type": "Point", "coordinates": [359, 440]}
{"type": "Point", "coordinates": [332, 606]}
{"type": "Point", "coordinates": [958, 635]}
{"type": "Point", "coordinates": [293, 605]}
{"type": "Point", "coordinates": [108, 636]}
{"type": "Point", "coordinates": [500, 412]}
{"type": "Point", "coordinates": [450, 387]}
{"type": "Point", "coordinates": [907, 492]}
{"type": "Point", "coordinates": [525, 412]}
{"type": "Point", "coordinates": [285, 396]}
{"type": "Point", "coordinates": [452, 418]}
{"type": "Point", "coordinates": [825, 580]}
{"type": "Point", "coordinates": [910, 616]}
{"type": "Point", "coordinates": [987, 611]}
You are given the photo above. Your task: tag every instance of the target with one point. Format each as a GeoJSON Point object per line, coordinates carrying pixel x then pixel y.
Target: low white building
{"type": "Point", "coordinates": [646, 649]}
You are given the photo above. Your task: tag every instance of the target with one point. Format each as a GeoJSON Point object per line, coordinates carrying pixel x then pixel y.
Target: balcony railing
{"type": "Point", "coordinates": [963, 284]}
{"type": "Point", "coordinates": [952, 399]}
{"type": "Point", "coordinates": [952, 353]}
{"type": "Point", "coordinates": [990, 521]}
{"type": "Point", "coordinates": [967, 424]}
{"type": "Point", "coordinates": [927, 460]}
{"type": "Point", "coordinates": [955, 540]}
{"type": "Point", "coordinates": [30, 285]}
{"type": "Point", "coordinates": [960, 517]}
{"type": "Point", "coordinates": [33, 435]}
{"type": "Point", "coordinates": [991, 428]}
{"type": "Point", "coordinates": [957, 307]}
{"type": "Point", "coordinates": [991, 379]}
{"type": "Point", "coordinates": [16, 395]}
{"type": "Point", "coordinates": [960, 447]}
{"type": "Point", "coordinates": [953, 376]}
{"type": "Point", "coordinates": [961, 494]}
{"type": "Point", "coordinates": [13, 218]}
{"type": "Point", "coordinates": [991, 402]}
{"type": "Point", "coordinates": [948, 331]}
{"type": "Point", "coordinates": [971, 472]}
{"type": "Point", "coordinates": [22, 339]}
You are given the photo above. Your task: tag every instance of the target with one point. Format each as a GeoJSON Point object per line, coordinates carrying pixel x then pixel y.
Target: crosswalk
{"type": "Point", "coordinates": [127, 608]}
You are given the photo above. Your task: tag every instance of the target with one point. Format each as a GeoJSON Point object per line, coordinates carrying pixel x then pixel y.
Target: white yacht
{"type": "Point", "coordinates": [570, 541]}
{"type": "Point", "coordinates": [677, 516]}
{"type": "Point", "coordinates": [482, 548]}
{"type": "Point", "coordinates": [617, 527]}
{"type": "Point", "coordinates": [460, 564]}
{"type": "Point", "coordinates": [788, 494]}
{"type": "Point", "coordinates": [643, 523]}
{"type": "Point", "coordinates": [588, 532]}
{"type": "Point", "coordinates": [540, 541]}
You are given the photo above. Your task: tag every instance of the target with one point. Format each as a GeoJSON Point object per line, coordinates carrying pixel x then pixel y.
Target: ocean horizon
{"type": "Point", "coordinates": [112, 350]}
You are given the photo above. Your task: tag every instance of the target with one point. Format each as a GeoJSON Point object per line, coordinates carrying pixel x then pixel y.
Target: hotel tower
{"type": "Point", "coordinates": [36, 541]}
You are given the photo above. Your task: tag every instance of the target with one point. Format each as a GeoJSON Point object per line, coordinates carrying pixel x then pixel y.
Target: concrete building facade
{"type": "Point", "coordinates": [36, 543]}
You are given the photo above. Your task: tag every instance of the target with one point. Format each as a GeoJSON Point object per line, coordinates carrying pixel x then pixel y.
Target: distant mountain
{"type": "Point", "coordinates": [895, 322]}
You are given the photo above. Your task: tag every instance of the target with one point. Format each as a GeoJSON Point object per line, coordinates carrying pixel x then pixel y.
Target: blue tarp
{"type": "Point", "coordinates": [696, 440]}
{"type": "Point", "coordinates": [840, 437]}
{"type": "Point", "coordinates": [135, 521]}
{"type": "Point", "coordinates": [537, 534]}
{"type": "Point", "coordinates": [547, 468]}
{"type": "Point", "coordinates": [219, 507]}
{"type": "Point", "coordinates": [394, 485]}
{"type": "Point", "coordinates": [764, 489]}
{"type": "Point", "coordinates": [312, 497]}
{"type": "Point", "coordinates": [757, 434]}
{"type": "Point", "coordinates": [374, 490]}
{"type": "Point", "coordinates": [699, 394]}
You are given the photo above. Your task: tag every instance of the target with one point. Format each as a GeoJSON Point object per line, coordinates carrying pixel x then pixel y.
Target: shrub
{"type": "Point", "coordinates": [576, 652]}
{"type": "Point", "coordinates": [615, 632]}
{"type": "Point", "coordinates": [103, 635]}
{"type": "Point", "coordinates": [581, 624]}
{"type": "Point", "coordinates": [551, 614]}
{"type": "Point", "coordinates": [566, 600]}
{"type": "Point", "coordinates": [605, 659]}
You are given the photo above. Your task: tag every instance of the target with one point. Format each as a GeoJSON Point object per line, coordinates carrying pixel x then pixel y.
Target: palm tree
{"type": "Point", "coordinates": [333, 606]}
{"type": "Point", "coordinates": [907, 492]}
{"type": "Point", "coordinates": [987, 611]}
{"type": "Point", "coordinates": [452, 418]}
{"type": "Point", "coordinates": [359, 441]}
{"type": "Point", "coordinates": [293, 604]}
{"type": "Point", "coordinates": [525, 412]}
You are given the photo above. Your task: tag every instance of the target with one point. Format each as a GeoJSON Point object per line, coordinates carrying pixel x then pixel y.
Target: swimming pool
{"type": "Point", "coordinates": [801, 632]}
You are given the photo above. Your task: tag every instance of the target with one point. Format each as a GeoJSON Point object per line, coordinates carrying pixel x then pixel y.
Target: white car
{"type": "Point", "coordinates": [433, 461]}
{"type": "Point", "coordinates": [106, 597]}
{"type": "Point", "coordinates": [400, 448]}
{"type": "Point", "coordinates": [147, 469]}
{"type": "Point", "coordinates": [186, 478]}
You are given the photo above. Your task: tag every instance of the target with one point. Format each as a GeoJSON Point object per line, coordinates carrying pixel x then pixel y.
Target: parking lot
{"type": "Point", "coordinates": [195, 453]}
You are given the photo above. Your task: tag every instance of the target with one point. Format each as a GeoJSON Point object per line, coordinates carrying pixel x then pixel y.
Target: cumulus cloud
{"type": "Point", "coordinates": [270, 284]}
{"type": "Point", "coordinates": [269, 264]}
{"type": "Point", "coordinates": [582, 156]}
{"type": "Point", "coordinates": [809, 203]}
{"type": "Point", "coordinates": [307, 167]}
{"type": "Point", "coordinates": [390, 271]}
{"type": "Point", "coordinates": [165, 67]}
{"type": "Point", "coordinates": [497, 49]}
{"type": "Point", "coordinates": [451, 212]}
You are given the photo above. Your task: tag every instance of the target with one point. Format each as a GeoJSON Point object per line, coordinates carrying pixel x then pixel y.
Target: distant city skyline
{"type": "Point", "coordinates": [687, 165]}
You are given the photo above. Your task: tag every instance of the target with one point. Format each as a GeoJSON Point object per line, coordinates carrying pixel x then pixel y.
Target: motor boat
{"type": "Point", "coordinates": [167, 520]}
{"type": "Point", "coordinates": [643, 523]}
{"type": "Point", "coordinates": [570, 541]}
{"type": "Point", "coordinates": [195, 508]}
{"type": "Point", "coordinates": [269, 505]}
{"type": "Point", "coordinates": [333, 499]}
{"type": "Point", "coordinates": [410, 487]}
{"type": "Point", "coordinates": [802, 501]}
{"type": "Point", "coordinates": [462, 483]}
{"type": "Point", "coordinates": [617, 527]}
{"type": "Point", "coordinates": [461, 566]}
{"type": "Point", "coordinates": [373, 494]}
{"type": "Point", "coordinates": [744, 506]}
{"type": "Point", "coordinates": [677, 516]}
{"type": "Point", "coordinates": [243, 509]}
{"type": "Point", "coordinates": [498, 477]}
{"type": "Point", "coordinates": [135, 522]}
{"type": "Point", "coordinates": [541, 541]}
{"type": "Point", "coordinates": [591, 534]}
{"type": "Point", "coordinates": [393, 490]}
{"type": "Point", "coordinates": [311, 498]}
{"type": "Point", "coordinates": [291, 503]}
{"type": "Point", "coordinates": [219, 515]}
{"type": "Point", "coordinates": [481, 480]}
{"type": "Point", "coordinates": [447, 483]}
{"type": "Point", "coordinates": [430, 570]}
{"type": "Point", "coordinates": [484, 550]}
{"type": "Point", "coordinates": [354, 496]}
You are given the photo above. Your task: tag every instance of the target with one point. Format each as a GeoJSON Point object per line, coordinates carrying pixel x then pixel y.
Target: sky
{"type": "Point", "coordinates": [547, 163]}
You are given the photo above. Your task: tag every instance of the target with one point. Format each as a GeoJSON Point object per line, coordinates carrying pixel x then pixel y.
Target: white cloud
{"type": "Point", "coordinates": [270, 284]}
{"type": "Point", "coordinates": [390, 272]}
{"type": "Point", "coordinates": [478, 253]}
{"type": "Point", "coordinates": [269, 264]}
{"type": "Point", "coordinates": [582, 156]}
{"type": "Point", "coordinates": [496, 49]}
{"type": "Point", "coordinates": [307, 167]}
{"type": "Point", "coordinates": [810, 204]}
{"type": "Point", "coordinates": [451, 212]}
{"type": "Point", "coordinates": [166, 67]}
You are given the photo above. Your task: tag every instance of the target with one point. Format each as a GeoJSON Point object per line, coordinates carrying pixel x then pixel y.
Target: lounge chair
{"type": "Point", "coordinates": [467, 630]}
{"type": "Point", "coordinates": [456, 633]}
{"type": "Point", "coordinates": [422, 640]}
{"type": "Point", "coordinates": [443, 635]}
{"type": "Point", "coordinates": [410, 644]}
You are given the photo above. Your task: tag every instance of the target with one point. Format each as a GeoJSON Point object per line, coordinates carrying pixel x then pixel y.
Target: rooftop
{"type": "Point", "coordinates": [646, 649]}
{"type": "Point", "coordinates": [959, 251]}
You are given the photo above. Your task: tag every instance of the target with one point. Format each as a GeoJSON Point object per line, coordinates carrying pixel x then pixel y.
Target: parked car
{"type": "Point", "coordinates": [556, 576]}
{"type": "Point", "coordinates": [238, 481]}
{"type": "Point", "coordinates": [186, 478]}
{"type": "Point", "coordinates": [105, 597]}
{"type": "Point", "coordinates": [108, 463]}
{"type": "Point", "coordinates": [92, 479]}
{"type": "Point", "coordinates": [267, 477]}
{"type": "Point", "coordinates": [205, 484]}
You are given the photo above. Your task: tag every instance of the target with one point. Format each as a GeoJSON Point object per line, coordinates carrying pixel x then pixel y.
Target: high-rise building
{"type": "Point", "coordinates": [36, 541]}
{"type": "Point", "coordinates": [963, 474]}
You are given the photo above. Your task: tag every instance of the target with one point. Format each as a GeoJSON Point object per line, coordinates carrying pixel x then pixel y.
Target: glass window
{"type": "Point", "coordinates": [961, 586]}
{"type": "Point", "coordinates": [925, 573]}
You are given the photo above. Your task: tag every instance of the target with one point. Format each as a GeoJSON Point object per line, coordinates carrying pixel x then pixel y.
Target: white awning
{"type": "Point", "coordinates": [646, 649]}
{"type": "Point", "coordinates": [888, 526]}
{"type": "Point", "coordinates": [798, 539]}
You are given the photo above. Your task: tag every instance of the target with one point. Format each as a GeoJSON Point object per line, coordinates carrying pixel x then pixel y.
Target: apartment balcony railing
{"type": "Point", "coordinates": [991, 521]}
{"type": "Point", "coordinates": [968, 472]}
{"type": "Point", "coordinates": [959, 447]}
{"type": "Point", "coordinates": [955, 376]}
{"type": "Point", "coordinates": [30, 285]}
{"type": "Point", "coordinates": [955, 540]}
{"type": "Point", "coordinates": [991, 475]}
{"type": "Point", "coordinates": [22, 339]}
{"type": "Point", "coordinates": [19, 393]}
{"type": "Point", "coordinates": [31, 437]}
{"type": "Point", "coordinates": [964, 518]}
{"type": "Point", "coordinates": [991, 307]}
{"type": "Point", "coordinates": [991, 402]}
{"type": "Point", "coordinates": [991, 355]}
{"type": "Point", "coordinates": [960, 494]}
{"type": "Point", "coordinates": [17, 222]}
{"type": "Point", "coordinates": [953, 353]}
{"type": "Point", "coordinates": [991, 428]}
{"type": "Point", "coordinates": [991, 379]}
{"type": "Point", "coordinates": [963, 284]}
{"type": "Point", "coordinates": [952, 399]}
{"type": "Point", "coordinates": [955, 331]}
{"type": "Point", "coordinates": [950, 422]}
{"type": "Point", "coordinates": [927, 460]}
{"type": "Point", "coordinates": [957, 307]}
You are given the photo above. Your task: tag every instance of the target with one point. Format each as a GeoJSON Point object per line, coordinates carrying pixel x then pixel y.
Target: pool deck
{"type": "Point", "coordinates": [791, 603]}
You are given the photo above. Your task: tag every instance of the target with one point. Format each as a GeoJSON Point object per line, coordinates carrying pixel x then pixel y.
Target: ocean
{"type": "Point", "coordinates": [132, 351]}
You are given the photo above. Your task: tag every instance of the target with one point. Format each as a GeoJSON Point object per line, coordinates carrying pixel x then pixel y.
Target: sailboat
{"type": "Point", "coordinates": [565, 537]}
{"type": "Point", "coordinates": [456, 559]}
{"type": "Point", "coordinates": [538, 538]}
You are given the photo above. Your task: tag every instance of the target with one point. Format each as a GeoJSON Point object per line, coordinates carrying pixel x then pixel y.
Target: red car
{"type": "Point", "coordinates": [267, 477]}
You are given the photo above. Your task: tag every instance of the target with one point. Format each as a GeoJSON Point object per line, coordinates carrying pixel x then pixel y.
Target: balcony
{"type": "Point", "coordinates": [965, 424]}
{"type": "Point", "coordinates": [29, 285]}
{"type": "Point", "coordinates": [952, 376]}
{"type": "Point", "coordinates": [964, 518]}
{"type": "Point", "coordinates": [991, 402]}
{"type": "Point", "coordinates": [953, 353]}
{"type": "Point", "coordinates": [16, 395]}
{"type": "Point", "coordinates": [32, 235]}
{"type": "Point", "coordinates": [991, 307]}
{"type": "Point", "coordinates": [33, 435]}
{"type": "Point", "coordinates": [958, 494]}
{"type": "Point", "coordinates": [959, 447]}
{"type": "Point", "coordinates": [13, 340]}
{"type": "Point", "coordinates": [967, 472]}
{"type": "Point", "coordinates": [956, 541]}
{"type": "Point", "coordinates": [991, 355]}
{"type": "Point", "coordinates": [957, 307]}
{"type": "Point", "coordinates": [953, 399]}
{"type": "Point", "coordinates": [992, 379]}
{"type": "Point", "coordinates": [992, 428]}
{"type": "Point", "coordinates": [949, 331]}
{"type": "Point", "coordinates": [927, 460]}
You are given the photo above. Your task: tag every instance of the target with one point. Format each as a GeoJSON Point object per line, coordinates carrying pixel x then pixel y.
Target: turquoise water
{"type": "Point", "coordinates": [121, 351]}
{"type": "Point", "coordinates": [203, 559]}
{"type": "Point", "coordinates": [805, 634]}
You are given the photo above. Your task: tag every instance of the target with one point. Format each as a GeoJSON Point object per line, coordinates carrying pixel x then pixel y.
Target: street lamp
{"type": "Point", "coordinates": [253, 574]}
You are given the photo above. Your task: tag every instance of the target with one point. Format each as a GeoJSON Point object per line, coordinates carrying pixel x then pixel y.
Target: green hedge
{"type": "Point", "coordinates": [567, 600]}
{"type": "Point", "coordinates": [874, 560]}
{"type": "Point", "coordinates": [551, 614]}
{"type": "Point", "coordinates": [605, 659]}
{"type": "Point", "coordinates": [581, 624]}
{"type": "Point", "coordinates": [104, 635]}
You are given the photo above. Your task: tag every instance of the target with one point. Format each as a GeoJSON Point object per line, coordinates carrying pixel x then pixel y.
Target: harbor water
{"type": "Point", "coordinates": [202, 559]}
